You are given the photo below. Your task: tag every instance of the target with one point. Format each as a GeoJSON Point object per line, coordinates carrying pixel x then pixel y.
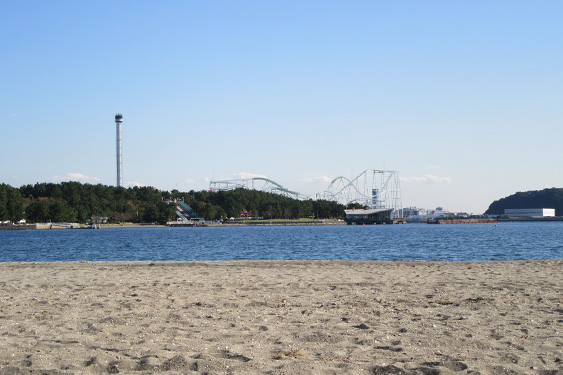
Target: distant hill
{"type": "Point", "coordinates": [546, 198]}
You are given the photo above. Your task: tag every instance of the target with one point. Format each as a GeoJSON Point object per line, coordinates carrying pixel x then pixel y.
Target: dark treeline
{"type": "Point", "coordinates": [77, 202]}
{"type": "Point", "coordinates": [546, 198]}
{"type": "Point", "coordinates": [234, 203]}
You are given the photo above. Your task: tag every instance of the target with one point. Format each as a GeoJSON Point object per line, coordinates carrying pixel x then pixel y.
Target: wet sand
{"type": "Point", "coordinates": [282, 317]}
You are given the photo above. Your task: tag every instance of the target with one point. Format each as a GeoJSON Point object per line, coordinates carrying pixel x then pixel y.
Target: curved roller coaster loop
{"type": "Point", "coordinates": [372, 188]}
{"type": "Point", "coordinates": [267, 185]}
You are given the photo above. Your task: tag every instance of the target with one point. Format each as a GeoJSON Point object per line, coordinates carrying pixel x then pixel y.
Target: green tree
{"type": "Point", "coordinates": [3, 201]}
{"type": "Point", "coordinates": [11, 204]}
{"type": "Point", "coordinates": [38, 212]}
{"type": "Point", "coordinates": [60, 211]}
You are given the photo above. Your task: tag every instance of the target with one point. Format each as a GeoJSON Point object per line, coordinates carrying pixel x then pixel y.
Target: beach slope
{"type": "Point", "coordinates": [282, 317]}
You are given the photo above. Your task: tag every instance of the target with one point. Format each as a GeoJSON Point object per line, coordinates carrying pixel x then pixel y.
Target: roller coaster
{"type": "Point", "coordinates": [372, 188]}
{"type": "Point", "coordinates": [255, 183]}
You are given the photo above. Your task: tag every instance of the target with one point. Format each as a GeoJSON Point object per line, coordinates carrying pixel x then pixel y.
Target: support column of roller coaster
{"type": "Point", "coordinates": [372, 188]}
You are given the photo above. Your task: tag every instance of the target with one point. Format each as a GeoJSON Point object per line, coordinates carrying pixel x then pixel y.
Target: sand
{"type": "Point", "coordinates": [282, 317]}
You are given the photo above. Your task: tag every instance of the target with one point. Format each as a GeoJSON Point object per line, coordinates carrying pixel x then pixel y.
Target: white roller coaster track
{"type": "Point", "coordinates": [372, 188]}
{"type": "Point", "coordinates": [255, 183]}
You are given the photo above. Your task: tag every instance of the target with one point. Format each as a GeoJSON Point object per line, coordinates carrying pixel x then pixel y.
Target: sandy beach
{"type": "Point", "coordinates": [282, 317]}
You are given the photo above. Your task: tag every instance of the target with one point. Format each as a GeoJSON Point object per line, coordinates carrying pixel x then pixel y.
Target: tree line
{"type": "Point", "coordinates": [77, 202]}
{"type": "Point", "coordinates": [254, 203]}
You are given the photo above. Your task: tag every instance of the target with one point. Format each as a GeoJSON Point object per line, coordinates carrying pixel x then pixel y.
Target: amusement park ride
{"type": "Point", "coordinates": [372, 188]}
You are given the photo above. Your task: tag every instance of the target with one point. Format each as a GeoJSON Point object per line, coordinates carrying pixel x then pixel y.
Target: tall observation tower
{"type": "Point", "coordinates": [118, 122]}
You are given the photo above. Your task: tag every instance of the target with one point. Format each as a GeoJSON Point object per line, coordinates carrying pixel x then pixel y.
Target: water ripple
{"type": "Point", "coordinates": [476, 242]}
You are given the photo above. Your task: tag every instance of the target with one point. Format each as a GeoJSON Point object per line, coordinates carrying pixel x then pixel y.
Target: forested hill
{"type": "Point", "coordinates": [77, 202]}
{"type": "Point", "coordinates": [547, 198]}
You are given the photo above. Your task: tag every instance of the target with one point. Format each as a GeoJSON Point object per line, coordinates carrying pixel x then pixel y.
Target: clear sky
{"type": "Point", "coordinates": [463, 98]}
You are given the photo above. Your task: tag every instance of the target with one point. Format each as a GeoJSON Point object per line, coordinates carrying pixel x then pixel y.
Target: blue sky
{"type": "Point", "coordinates": [463, 98]}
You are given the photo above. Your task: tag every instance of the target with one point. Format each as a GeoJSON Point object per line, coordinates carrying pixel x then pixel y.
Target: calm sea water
{"type": "Point", "coordinates": [471, 242]}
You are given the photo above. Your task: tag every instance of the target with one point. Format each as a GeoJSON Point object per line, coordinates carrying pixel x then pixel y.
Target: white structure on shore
{"type": "Point", "coordinates": [530, 212]}
{"type": "Point", "coordinates": [118, 122]}
{"type": "Point", "coordinates": [422, 214]}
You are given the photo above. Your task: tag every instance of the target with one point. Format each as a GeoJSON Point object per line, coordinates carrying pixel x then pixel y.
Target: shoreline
{"type": "Point", "coordinates": [44, 226]}
{"type": "Point", "coordinates": [292, 317]}
{"type": "Point", "coordinates": [272, 263]}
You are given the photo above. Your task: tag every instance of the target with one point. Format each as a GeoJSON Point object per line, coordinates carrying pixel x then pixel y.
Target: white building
{"type": "Point", "coordinates": [530, 212]}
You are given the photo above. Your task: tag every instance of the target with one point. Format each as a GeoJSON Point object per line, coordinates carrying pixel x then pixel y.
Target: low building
{"type": "Point", "coordinates": [530, 212]}
{"type": "Point", "coordinates": [369, 216]}
{"type": "Point", "coordinates": [411, 211]}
